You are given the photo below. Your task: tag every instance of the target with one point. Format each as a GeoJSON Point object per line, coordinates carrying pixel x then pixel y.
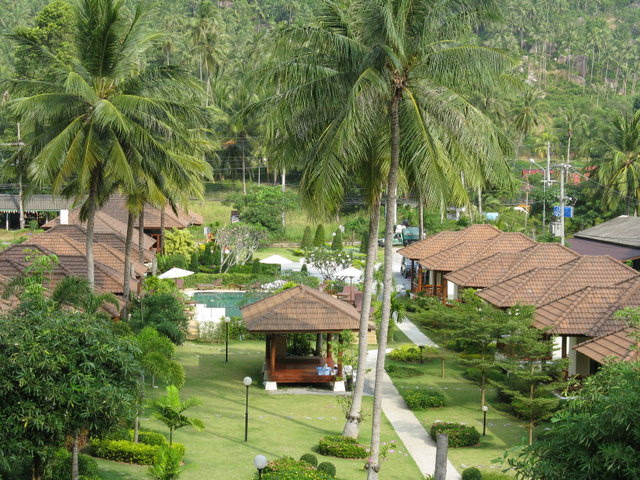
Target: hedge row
{"type": "Point", "coordinates": [227, 279]}
{"type": "Point", "coordinates": [341, 447]}
{"type": "Point", "coordinates": [424, 398]}
{"type": "Point", "coordinates": [129, 452]}
{"type": "Point", "coordinates": [459, 435]}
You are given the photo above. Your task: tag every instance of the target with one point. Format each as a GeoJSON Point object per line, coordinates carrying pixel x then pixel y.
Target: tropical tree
{"type": "Point", "coordinates": [107, 115]}
{"type": "Point", "coordinates": [170, 411]}
{"type": "Point", "coordinates": [619, 171]}
{"type": "Point", "coordinates": [367, 71]}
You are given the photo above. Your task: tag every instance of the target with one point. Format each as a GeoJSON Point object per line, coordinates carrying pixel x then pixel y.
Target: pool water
{"type": "Point", "coordinates": [231, 301]}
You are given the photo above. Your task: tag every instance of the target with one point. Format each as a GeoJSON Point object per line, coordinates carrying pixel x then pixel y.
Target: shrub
{"type": "Point", "coordinates": [328, 468]}
{"type": "Point", "coordinates": [167, 466]}
{"type": "Point", "coordinates": [341, 447]}
{"type": "Point", "coordinates": [60, 466]}
{"type": "Point", "coordinates": [406, 353]}
{"type": "Point", "coordinates": [307, 240]}
{"type": "Point", "coordinates": [129, 452]}
{"type": "Point", "coordinates": [459, 435]}
{"type": "Point", "coordinates": [424, 398]}
{"type": "Point", "coordinates": [287, 468]}
{"type": "Point", "coordinates": [336, 241]}
{"type": "Point", "coordinates": [471, 473]}
{"type": "Point", "coordinates": [320, 237]}
{"type": "Point", "coordinates": [150, 438]}
{"type": "Point", "coordinates": [310, 457]}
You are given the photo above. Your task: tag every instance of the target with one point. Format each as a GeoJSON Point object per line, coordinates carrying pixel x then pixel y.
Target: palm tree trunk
{"type": "Point", "coordinates": [420, 216]}
{"type": "Point", "coordinates": [126, 290]}
{"type": "Point", "coordinates": [36, 467]}
{"type": "Point", "coordinates": [392, 185]}
{"type": "Point", "coordinates": [141, 235]}
{"type": "Point", "coordinates": [162, 229]}
{"type": "Point", "coordinates": [75, 471]}
{"type": "Point", "coordinates": [21, 202]}
{"type": "Point", "coordinates": [352, 427]}
{"type": "Point", "coordinates": [91, 216]}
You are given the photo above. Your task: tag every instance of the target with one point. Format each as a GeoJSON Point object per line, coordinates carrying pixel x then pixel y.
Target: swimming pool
{"type": "Point", "coordinates": [231, 301]}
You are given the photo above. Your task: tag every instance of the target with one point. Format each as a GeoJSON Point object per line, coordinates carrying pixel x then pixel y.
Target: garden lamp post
{"type": "Point", "coordinates": [485, 409]}
{"type": "Point", "coordinates": [247, 383]}
{"type": "Point", "coordinates": [421, 347]}
{"type": "Point", "coordinates": [260, 462]}
{"type": "Point", "coordinates": [226, 344]}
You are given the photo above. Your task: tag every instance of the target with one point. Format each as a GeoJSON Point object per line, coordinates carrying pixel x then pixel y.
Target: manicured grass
{"type": "Point", "coordinates": [279, 424]}
{"type": "Point", "coordinates": [463, 406]}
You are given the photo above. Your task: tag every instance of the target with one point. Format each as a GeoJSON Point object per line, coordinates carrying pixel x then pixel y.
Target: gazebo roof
{"type": "Point", "coordinates": [300, 310]}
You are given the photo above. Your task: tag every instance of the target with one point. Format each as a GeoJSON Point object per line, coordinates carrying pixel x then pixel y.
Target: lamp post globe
{"type": "Point", "coordinates": [226, 343]}
{"type": "Point", "coordinates": [260, 462]}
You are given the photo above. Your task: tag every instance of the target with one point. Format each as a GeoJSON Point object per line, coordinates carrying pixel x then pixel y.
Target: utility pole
{"type": "Point", "coordinates": [563, 169]}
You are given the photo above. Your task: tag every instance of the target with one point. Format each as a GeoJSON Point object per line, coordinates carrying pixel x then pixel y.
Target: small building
{"type": "Point", "coordinates": [284, 317]}
{"type": "Point", "coordinates": [39, 207]}
{"type": "Point", "coordinates": [619, 238]}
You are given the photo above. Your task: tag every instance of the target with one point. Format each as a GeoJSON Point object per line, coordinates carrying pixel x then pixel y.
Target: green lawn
{"type": "Point", "coordinates": [463, 406]}
{"type": "Point", "coordinates": [279, 424]}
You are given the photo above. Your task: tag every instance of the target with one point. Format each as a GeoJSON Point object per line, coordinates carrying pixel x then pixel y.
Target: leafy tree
{"type": "Point", "coordinates": [597, 435]}
{"type": "Point", "coordinates": [307, 240]}
{"type": "Point", "coordinates": [170, 411]}
{"type": "Point", "coordinates": [264, 206]}
{"type": "Point", "coordinates": [238, 242]}
{"type": "Point", "coordinates": [319, 237]}
{"type": "Point", "coordinates": [63, 372]}
{"type": "Point", "coordinates": [328, 262]}
{"type": "Point", "coordinates": [179, 241]}
{"type": "Point", "coordinates": [336, 241]}
{"type": "Point", "coordinates": [164, 312]}
{"type": "Point", "coordinates": [156, 357]}
{"type": "Point", "coordinates": [108, 119]}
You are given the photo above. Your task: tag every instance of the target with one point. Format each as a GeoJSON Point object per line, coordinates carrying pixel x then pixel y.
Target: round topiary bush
{"type": "Point", "coordinates": [341, 447]}
{"type": "Point", "coordinates": [310, 458]}
{"type": "Point", "coordinates": [328, 468]}
{"type": "Point", "coordinates": [287, 468]}
{"type": "Point", "coordinates": [421, 399]}
{"type": "Point", "coordinates": [471, 474]}
{"type": "Point", "coordinates": [459, 435]}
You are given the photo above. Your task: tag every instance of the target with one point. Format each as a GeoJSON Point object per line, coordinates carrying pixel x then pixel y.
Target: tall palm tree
{"type": "Point", "coordinates": [619, 171]}
{"type": "Point", "coordinates": [347, 88]}
{"type": "Point", "coordinates": [108, 115]}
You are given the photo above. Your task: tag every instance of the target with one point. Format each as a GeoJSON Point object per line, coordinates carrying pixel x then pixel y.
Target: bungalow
{"type": "Point", "coordinates": [619, 238]}
{"type": "Point", "coordinates": [620, 344]}
{"type": "Point", "coordinates": [425, 280]}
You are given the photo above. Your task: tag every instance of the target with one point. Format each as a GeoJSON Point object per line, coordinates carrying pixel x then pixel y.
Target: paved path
{"type": "Point", "coordinates": [418, 442]}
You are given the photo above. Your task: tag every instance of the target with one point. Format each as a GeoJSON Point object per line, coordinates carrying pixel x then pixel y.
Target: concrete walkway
{"type": "Point", "coordinates": [418, 442]}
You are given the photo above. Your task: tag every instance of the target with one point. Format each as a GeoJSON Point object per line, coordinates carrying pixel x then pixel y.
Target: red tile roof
{"type": "Point", "coordinates": [443, 240]}
{"type": "Point", "coordinates": [462, 254]}
{"type": "Point", "coordinates": [619, 344]}
{"type": "Point", "coordinates": [543, 285]}
{"type": "Point", "coordinates": [501, 266]}
{"type": "Point", "coordinates": [298, 310]}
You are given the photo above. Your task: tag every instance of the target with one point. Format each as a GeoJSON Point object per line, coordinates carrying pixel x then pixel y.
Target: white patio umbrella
{"type": "Point", "coordinates": [175, 272]}
{"type": "Point", "coordinates": [276, 260]}
{"type": "Point", "coordinates": [352, 273]}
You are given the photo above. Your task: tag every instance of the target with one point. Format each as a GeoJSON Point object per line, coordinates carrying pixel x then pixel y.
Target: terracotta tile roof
{"type": "Point", "coordinates": [111, 238]}
{"type": "Point", "coordinates": [443, 240]}
{"type": "Point", "coordinates": [300, 309]}
{"type": "Point", "coordinates": [116, 208]}
{"type": "Point", "coordinates": [465, 253]}
{"type": "Point", "coordinates": [12, 263]}
{"type": "Point", "coordinates": [501, 266]}
{"type": "Point", "coordinates": [543, 285]}
{"type": "Point", "coordinates": [587, 312]}
{"type": "Point", "coordinates": [61, 244]}
{"type": "Point", "coordinates": [617, 344]}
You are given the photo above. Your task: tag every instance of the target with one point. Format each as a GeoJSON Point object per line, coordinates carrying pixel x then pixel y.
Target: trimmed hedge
{"type": "Point", "coordinates": [425, 398]}
{"type": "Point", "coordinates": [341, 447]}
{"type": "Point", "coordinates": [411, 353]}
{"type": "Point", "coordinates": [227, 279]}
{"type": "Point", "coordinates": [328, 468]}
{"type": "Point", "coordinates": [150, 438]}
{"type": "Point", "coordinates": [129, 452]}
{"type": "Point", "coordinates": [459, 435]}
{"type": "Point", "coordinates": [287, 468]}
{"type": "Point", "coordinates": [310, 458]}
{"type": "Point", "coordinates": [471, 473]}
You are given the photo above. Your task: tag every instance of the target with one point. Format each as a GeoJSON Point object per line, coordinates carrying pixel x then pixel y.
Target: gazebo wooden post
{"type": "Point", "coordinates": [419, 278]}
{"type": "Point", "coordinates": [340, 356]}
{"type": "Point", "coordinates": [329, 340]}
{"type": "Point", "coordinates": [272, 354]}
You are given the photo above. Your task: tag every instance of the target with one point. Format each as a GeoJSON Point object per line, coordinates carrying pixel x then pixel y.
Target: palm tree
{"type": "Point", "coordinates": [349, 86]}
{"type": "Point", "coordinates": [619, 171]}
{"type": "Point", "coordinates": [170, 411]}
{"type": "Point", "coordinates": [108, 115]}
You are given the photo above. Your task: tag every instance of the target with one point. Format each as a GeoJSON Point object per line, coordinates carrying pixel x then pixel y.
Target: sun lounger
{"type": "Point", "coordinates": [209, 286]}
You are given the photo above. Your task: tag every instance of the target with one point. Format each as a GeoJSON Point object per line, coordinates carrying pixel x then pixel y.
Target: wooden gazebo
{"type": "Point", "coordinates": [300, 310]}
